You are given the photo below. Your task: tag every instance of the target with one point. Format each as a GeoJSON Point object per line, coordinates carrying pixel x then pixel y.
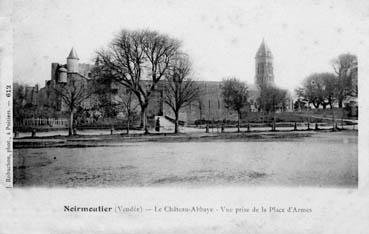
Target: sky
{"type": "Point", "coordinates": [221, 37]}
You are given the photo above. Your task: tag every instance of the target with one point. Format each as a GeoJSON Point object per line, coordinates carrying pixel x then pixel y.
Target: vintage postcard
{"type": "Point", "coordinates": [184, 116]}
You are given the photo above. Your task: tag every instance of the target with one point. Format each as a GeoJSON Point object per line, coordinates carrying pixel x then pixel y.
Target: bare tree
{"type": "Point", "coordinates": [329, 82]}
{"type": "Point", "coordinates": [129, 104]}
{"type": "Point", "coordinates": [343, 67]}
{"type": "Point", "coordinates": [113, 99]}
{"type": "Point", "coordinates": [271, 99]}
{"type": "Point", "coordinates": [135, 55]}
{"type": "Point", "coordinates": [74, 93]}
{"type": "Point", "coordinates": [180, 89]}
{"type": "Point", "coordinates": [235, 95]}
{"type": "Point", "coordinates": [319, 89]}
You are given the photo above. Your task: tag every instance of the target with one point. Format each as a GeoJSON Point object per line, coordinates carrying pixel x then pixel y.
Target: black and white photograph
{"type": "Point", "coordinates": [186, 97]}
{"type": "Point", "coordinates": [117, 95]}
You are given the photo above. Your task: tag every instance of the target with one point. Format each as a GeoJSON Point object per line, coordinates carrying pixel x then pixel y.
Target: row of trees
{"type": "Point", "coordinates": [236, 97]}
{"type": "Point", "coordinates": [324, 89]}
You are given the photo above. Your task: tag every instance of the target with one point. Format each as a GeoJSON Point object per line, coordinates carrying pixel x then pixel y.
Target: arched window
{"type": "Point", "coordinates": [260, 68]}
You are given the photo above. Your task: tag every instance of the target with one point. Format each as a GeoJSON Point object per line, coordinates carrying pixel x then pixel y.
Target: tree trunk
{"type": "Point", "coordinates": [238, 122]}
{"type": "Point", "coordinates": [142, 114]}
{"type": "Point", "coordinates": [144, 118]}
{"type": "Point", "coordinates": [176, 122]}
{"type": "Point", "coordinates": [333, 120]}
{"type": "Point", "coordinates": [200, 109]}
{"type": "Point", "coordinates": [340, 103]}
{"type": "Point", "coordinates": [128, 119]}
{"type": "Point", "coordinates": [330, 103]}
{"type": "Point", "coordinates": [70, 130]}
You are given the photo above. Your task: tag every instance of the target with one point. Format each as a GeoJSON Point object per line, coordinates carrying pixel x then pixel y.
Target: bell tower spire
{"type": "Point", "coordinates": [264, 75]}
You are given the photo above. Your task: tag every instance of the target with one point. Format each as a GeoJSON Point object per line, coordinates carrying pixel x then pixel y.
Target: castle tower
{"type": "Point", "coordinates": [62, 75]}
{"type": "Point", "coordinates": [264, 75]}
{"type": "Point", "coordinates": [54, 69]}
{"type": "Point", "coordinates": [72, 61]}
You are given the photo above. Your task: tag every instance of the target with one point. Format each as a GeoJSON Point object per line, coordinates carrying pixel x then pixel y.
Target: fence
{"type": "Point", "coordinates": [282, 126]}
{"type": "Point", "coordinates": [42, 122]}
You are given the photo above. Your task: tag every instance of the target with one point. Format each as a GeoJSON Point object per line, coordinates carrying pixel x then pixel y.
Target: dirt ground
{"type": "Point", "coordinates": [325, 159]}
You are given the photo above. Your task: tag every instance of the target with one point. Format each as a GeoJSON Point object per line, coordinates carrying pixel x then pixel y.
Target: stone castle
{"type": "Point", "coordinates": [209, 106]}
{"type": "Point", "coordinates": [59, 75]}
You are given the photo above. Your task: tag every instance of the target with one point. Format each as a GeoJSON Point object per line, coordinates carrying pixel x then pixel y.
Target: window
{"type": "Point", "coordinates": [260, 65]}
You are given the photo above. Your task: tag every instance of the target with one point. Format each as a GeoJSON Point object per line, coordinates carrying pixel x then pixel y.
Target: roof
{"type": "Point", "coordinates": [62, 69]}
{"type": "Point", "coordinates": [263, 50]}
{"type": "Point", "coordinates": [73, 54]}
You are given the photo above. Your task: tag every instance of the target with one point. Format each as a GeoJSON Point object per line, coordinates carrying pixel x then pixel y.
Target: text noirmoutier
{"type": "Point", "coordinates": [192, 209]}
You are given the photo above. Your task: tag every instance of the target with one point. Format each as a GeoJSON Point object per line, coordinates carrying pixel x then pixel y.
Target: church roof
{"type": "Point", "coordinates": [264, 50]}
{"type": "Point", "coordinates": [73, 54]}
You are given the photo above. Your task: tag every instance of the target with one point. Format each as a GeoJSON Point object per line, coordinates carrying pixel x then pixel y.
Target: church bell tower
{"type": "Point", "coordinates": [264, 75]}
